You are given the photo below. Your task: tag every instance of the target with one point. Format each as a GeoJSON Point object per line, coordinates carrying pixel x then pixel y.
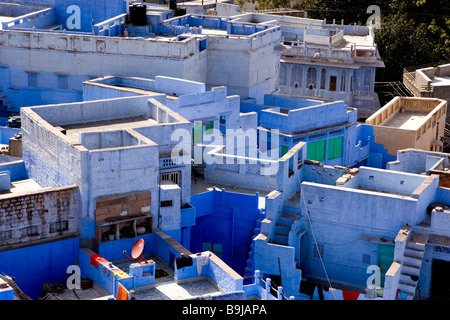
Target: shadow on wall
{"type": "Point", "coordinates": [224, 225]}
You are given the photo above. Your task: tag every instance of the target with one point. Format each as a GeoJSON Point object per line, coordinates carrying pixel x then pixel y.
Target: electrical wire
{"type": "Point", "coordinates": [314, 236]}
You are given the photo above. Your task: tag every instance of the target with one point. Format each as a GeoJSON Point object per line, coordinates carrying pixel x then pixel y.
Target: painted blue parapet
{"type": "Point", "coordinates": [35, 265]}
{"type": "Point", "coordinates": [103, 272]}
{"type": "Point", "coordinates": [187, 215]}
{"type": "Point", "coordinates": [113, 250]}
{"type": "Point", "coordinates": [6, 293]}
{"type": "Point", "coordinates": [16, 169]}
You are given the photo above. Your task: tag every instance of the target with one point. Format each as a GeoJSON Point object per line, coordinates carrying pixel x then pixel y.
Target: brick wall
{"type": "Point", "coordinates": [38, 216]}
{"type": "Point", "coordinates": [117, 207]}
{"type": "Point", "coordinates": [444, 178]}
{"type": "Point", "coordinates": [123, 215]}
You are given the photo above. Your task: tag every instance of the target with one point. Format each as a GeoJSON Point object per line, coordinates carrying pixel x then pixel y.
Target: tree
{"type": "Point", "coordinates": [401, 44]}
{"type": "Point", "coordinates": [413, 32]}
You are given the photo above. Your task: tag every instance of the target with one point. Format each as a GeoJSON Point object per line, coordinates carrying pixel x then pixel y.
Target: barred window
{"type": "Point", "coordinates": [6, 235]}
{"type": "Point", "coordinates": [59, 226]}
{"type": "Point", "coordinates": [29, 231]}
{"type": "Point", "coordinates": [318, 250]}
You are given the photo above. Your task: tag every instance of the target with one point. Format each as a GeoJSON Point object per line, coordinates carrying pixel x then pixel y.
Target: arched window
{"type": "Point", "coordinates": [367, 79]}
{"type": "Point", "coordinates": [296, 76]}
{"type": "Point", "coordinates": [323, 78]}
{"type": "Point", "coordinates": [343, 81]}
{"type": "Point", "coordinates": [311, 78]}
{"type": "Point", "coordinates": [283, 75]}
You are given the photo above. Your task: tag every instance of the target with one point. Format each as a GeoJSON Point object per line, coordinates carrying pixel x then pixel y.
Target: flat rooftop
{"type": "Point", "coordinates": [198, 185]}
{"type": "Point", "coordinates": [5, 19]}
{"type": "Point", "coordinates": [409, 113]}
{"type": "Point", "coordinates": [21, 187]}
{"type": "Point", "coordinates": [441, 81]}
{"type": "Point", "coordinates": [73, 130]}
{"type": "Point", "coordinates": [165, 287]}
{"type": "Point", "coordinates": [409, 120]}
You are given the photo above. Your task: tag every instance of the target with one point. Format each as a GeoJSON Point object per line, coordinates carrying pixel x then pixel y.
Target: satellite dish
{"type": "Point", "coordinates": [136, 251]}
{"type": "Point", "coordinates": [138, 247]}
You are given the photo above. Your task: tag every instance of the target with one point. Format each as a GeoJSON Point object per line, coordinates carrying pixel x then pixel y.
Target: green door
{"type": "Point", "coordinates": [197, 134]}
{"type": "Point", "coordinates": [335, 148]}
{"type": "Point", "coordinates": [385, 259]}
{"type": "Point", "coordinates": [284, 150]}
{"type": "Point", "coordinates": [316, 150]}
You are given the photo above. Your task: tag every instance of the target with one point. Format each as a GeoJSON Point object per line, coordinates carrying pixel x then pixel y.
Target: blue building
{"type": "Point", "coordinates": [330, 129]}
{"type": "Point", "coordinates": [269, 105]}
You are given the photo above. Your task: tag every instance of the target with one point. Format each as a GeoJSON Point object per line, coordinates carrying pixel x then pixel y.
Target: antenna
{"type": "Point", "coordinates": [136, 251]}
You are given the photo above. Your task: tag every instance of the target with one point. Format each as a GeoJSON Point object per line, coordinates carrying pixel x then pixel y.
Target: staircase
{"type": "Point", "coordinates": [290, 212]}
{"type": "Point", "coordinates": [282, 227]}
{"type": "Point", "coordinates": [412, 262]}
{"type": "Point", "coordinates": [249, 269]}
{"type": "Point", "coordinates": [6, 110]}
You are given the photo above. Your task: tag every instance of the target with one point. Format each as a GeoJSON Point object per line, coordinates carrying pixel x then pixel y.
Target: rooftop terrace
{"type": "Point", "coordinates": [408, 113]}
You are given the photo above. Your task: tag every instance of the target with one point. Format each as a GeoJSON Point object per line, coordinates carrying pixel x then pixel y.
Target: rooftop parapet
{"type": "Point", "coordinates": [312, 117]}
{"type": "Point", "coordinates": [26, 17]}
{"type": "Point", "coordinates": [389, 182]}
{"type": "Point", "coordinates": [432, 108]}
{"type": "Point", "coordinates": [86, 43]}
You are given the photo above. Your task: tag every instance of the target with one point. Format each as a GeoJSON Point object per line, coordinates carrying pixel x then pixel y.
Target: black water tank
{"type": "Point", "coordinates": [138, 14]}
{"type": "Point", "coordinates": [173, 4]}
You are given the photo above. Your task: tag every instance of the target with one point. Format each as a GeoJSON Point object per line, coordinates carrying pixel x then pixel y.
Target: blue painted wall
{"type": "Point", "coordinates": [16, 169]}
{"type": "Point", "coordinates": [225, 218]}
{"type": "Point", "coordinates": [378, 156]}
{"type": "Point", "coordinates": [35, 265]}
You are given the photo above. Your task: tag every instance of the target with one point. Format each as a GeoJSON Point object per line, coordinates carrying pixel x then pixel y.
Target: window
{"type": "Point", "coordinates": [284, 150]}
{"type": "Point", "coordinates": [6, 235]}
{"type": "Point", "coordinates": [283, 75]}
{"type": "Point", "coordinates": [197, 133]}
{"type": "Point", "coordinates": [366, 259]}
{"type": "Point", "coordinates": [59, 226]}
{"type": "Point", "coordinates": [332, 83]}
{"type": "Point", "coordinates": [223, 123]}
{"type": "Point", "coordinates": [209, 126]}
{"type": "Point", "coordinates": [316, 150]}
{"type": "Point", "coordinates": [367, 79]}
{"type": "Point", "coordinates": [63, 81]}
{"type": "Point", "coordinates": [202, 45]}
{"type": "Point", "coordinates": [30, 231]}
{"type": "Point", "coordinates": [215, 248]}
{"type": "Point", "coordinates": [343, 81]}
{"type": "Point", "coordinates": [335, 148]}
{"type": "Point", "coordinates": [171, 176]}
{"type": "Point", "coordinates": [296, 76]}
{"type": "Point", "coordinates": [318, 250]}
{"type": "Point", "coordinates": [323, 79]}
{"type": "Point", "coordinates": [32, 80]}
{"type": "Point", "coordinates": [311, 78]}
{"type": "Point", "coordinates": [166, 203]}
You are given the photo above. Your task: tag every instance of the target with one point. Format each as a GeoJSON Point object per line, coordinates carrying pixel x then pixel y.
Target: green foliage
{"type": "Point", "coordinates": [413, 32]}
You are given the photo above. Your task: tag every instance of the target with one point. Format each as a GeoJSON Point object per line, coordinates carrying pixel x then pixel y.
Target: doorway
{"type": "Point", "coordinates": [385, 259]}
{"type": "Point", "coordinates": [440, 280]}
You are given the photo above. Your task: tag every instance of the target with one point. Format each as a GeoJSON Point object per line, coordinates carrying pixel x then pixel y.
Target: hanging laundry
{"type": "Point", "coordinates": [183, 261]}
{"type": "Point", "coordinates": [122, 293]}
{"type": "Point", "coordinates": [202, 260]}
